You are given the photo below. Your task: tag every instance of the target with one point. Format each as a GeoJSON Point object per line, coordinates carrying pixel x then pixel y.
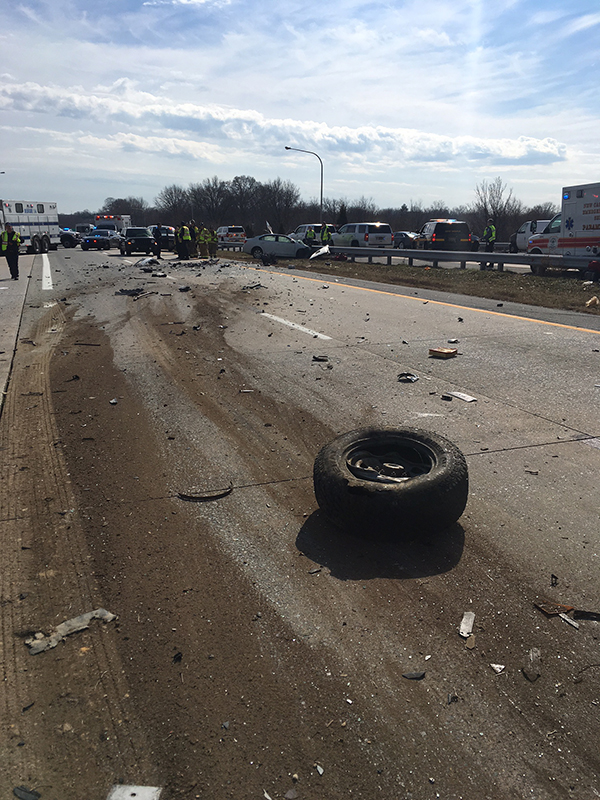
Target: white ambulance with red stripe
{"type": "Point", "coordinates": [576, 230]}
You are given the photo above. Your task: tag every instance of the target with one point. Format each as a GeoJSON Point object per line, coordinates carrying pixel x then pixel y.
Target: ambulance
{"type": "Point", "coordinates": [36, 223]}
{"type": "Point", "coordinates": [575, 231]}
{"type": "Point", "coordinates": [113, 222]}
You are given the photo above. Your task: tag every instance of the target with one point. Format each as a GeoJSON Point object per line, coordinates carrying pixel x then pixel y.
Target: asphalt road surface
{"type": "Point", "coordinates": [257, 651]}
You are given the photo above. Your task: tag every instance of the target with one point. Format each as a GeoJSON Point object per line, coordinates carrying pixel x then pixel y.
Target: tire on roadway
{"type": "Point", "coordinates": [391, 482]}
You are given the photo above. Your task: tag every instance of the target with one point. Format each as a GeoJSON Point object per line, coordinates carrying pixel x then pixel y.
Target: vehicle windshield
{"type": "Point", "coordinates": [138, 232]}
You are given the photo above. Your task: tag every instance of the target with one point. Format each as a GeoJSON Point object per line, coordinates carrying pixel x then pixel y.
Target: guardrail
{"type": "Point", "coordinates": [537, 264]}
{"type": "Point", "coordinates": [230, 246]}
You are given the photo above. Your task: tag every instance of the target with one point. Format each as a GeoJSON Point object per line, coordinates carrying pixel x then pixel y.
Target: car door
{"type": "Point", "coordinates": [285, 246]}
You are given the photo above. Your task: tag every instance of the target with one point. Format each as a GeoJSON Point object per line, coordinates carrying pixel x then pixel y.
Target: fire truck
{"type": "Point", "coordinates": [575, 231]}
{"type": "Point", "coordinates": [36, 223]}
{"type": "Point", "coordinates": [113, 222]}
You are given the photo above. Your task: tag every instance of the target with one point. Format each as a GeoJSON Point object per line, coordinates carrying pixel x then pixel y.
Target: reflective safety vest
{"type": "Point", "coordinates": [325, 234]}
{"type": "Point", "coordinates": [9, 239]}
{"type": "Point", "coordinates": [489, 234]}
{"type": "Point", "coordinates": [310, 234]}
{"type": "Point", "coordinates": [212, 236]}
{"type": "Point", "coordinates": [185, 234]}
{"type": "Point", "coordinates": [204, 235]}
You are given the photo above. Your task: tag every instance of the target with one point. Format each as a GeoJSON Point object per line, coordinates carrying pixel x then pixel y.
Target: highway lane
{"type": "Point", "coordinates": [228, 393]}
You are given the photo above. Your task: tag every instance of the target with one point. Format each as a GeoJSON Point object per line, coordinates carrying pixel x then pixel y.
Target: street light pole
{"type": "Point", "coordinates": [298, 150]}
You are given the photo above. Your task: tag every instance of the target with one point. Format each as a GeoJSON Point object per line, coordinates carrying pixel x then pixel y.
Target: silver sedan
{"type": "Point", "coordinates": [275, 244]}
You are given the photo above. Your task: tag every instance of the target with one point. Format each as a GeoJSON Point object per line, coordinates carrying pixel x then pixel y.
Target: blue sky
{"type": "Point", "coordinates": [406, 101]}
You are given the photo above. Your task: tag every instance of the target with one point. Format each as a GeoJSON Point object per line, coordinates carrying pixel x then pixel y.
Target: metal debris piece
{"type": "Point", "coordinates": [466, 397]}
{"type": "Point", "coordinates": [413, 676]}
{"type": "Point", "coordinates": [184, 288]}
{"type": "Point", "coordinates": [447, 397]}
{"type": "Point", "coordinates": [442, 352]}
{"type": "Point", "coordinates": [593, 301]}
{"type": "Point", "coordinates": [452, 341]}
{"type": "Point", "coordinates": [569, 621]}
{"type": "Point", "coordinates": [407, 377]}
{"type": "Point", "coordinates": [145, 294]}
{"type": "Point", "coordinates": [113, 402]}
{"type": "Point", "coordinates": [253, 286]}
{"type": "Point", "coordinates": [39, 642]}
{"type": "Point", "coordinates": [159, 274]}
{"type": "Point", "coordinates": [531, 669]}
{"type": "Point", "coordinates": [147, 262]}
{"type": "Point", "coordinates": [201, 497]}
{"type": "Point", "coordinates": [466, 624]}
{"type": "Point", "coordinates": [320, 358]}
{"type": "Point", "coordinates": [498, 668]}
{"type": "Point", "coordinates": [319, 769]}
{"type": "Point", "coordinates": [129, 292]}
{"type": "Point", "coordinates": [470, 643]}
{"type": "Point", "coordinates": [322, 251]}
{"type": "Point", "coordinates": [23, 793]}
{"type": "Point", "coordinates": [552, 609]}
{"type": "Point", "coordinates": [532, 471]}
{"type": "Point", "coordinates": [266, 795]}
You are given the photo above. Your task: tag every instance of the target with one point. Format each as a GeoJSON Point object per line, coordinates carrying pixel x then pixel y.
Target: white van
{"type": "Point", "coordinates": [364, 234]}
{"type": "Point", "coordinates": [234, 234]}
{"type": "Point", "coordinates": [518, 241]}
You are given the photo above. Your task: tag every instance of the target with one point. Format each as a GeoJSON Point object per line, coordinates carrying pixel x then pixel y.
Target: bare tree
{"type": "Point", "coordinates": [277, 202]}
{"type": "Point", "coordinates": [493, 200]}
{"type": "Point", "coordinates": [211, 201]}
{"type": "Point", "coordinates": [173, 204]}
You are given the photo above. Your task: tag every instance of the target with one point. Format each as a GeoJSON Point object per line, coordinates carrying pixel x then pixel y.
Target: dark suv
{"type": "Point", "coordinates": [137, 240]}
{"type": "Point", "coordinates": [444, 234]}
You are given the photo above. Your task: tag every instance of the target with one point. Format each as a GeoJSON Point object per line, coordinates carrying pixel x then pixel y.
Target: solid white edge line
{"type": "Point", "coordinates": [296, 327]}
{"type": "Point", "coordinates": [47, 284]}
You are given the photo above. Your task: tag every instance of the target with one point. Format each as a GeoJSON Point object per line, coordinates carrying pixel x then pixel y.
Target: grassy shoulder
{"type": "Point", "coordinates": [558, 290]}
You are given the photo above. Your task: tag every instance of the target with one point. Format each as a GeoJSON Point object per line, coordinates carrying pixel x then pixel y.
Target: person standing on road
{"type": "Point", "coordinates": [489, 237]}
{"type": "Point", "coordinates": [325, 234]}
{"type": "Point", "coordinates": [310, 236]}
{"type": "Point", "coordinates": [182, 235]}
{"type": "Point", "coordinates": [11, 242]}
{"type": "Point", "coordinates": [203, 239]}
{"type": "Point", "coordinates": [157, 233]}
{"type": "Point", "coordinates": [193, 243]}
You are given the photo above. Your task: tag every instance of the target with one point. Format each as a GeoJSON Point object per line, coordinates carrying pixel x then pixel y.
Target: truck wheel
{"type": "Point", "coordinates": [36, 245]}
{"type": "Point", "coordinates": [381, 483]}
{"type": "Point", "coordinates": [45, 244]}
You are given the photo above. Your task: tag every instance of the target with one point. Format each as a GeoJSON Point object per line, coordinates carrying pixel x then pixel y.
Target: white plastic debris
{"type": "Point", "coordinates": [466, 625]}
{"type": "Point", "coordinates": [498, 668]}
{"type": "Point", "coordinates": [122, 792]}
{"type": "Point", "coordinates": [461, 396]}
{"type": "Point", "coordinates": [39, 642]}
{"type": "Point", "coordinates": [569, 621]}
{"type": "Point", "coordinates": [320, 769]}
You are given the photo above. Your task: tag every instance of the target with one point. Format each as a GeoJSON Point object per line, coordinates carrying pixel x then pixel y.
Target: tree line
{"type": "Point", "coordinates": [248, 202]}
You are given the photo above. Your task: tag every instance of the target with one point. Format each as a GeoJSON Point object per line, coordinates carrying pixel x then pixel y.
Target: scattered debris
{"type": "Point", "coordinates": [498, 668]}
{"type": "Point", "coordinates": [266, 795]}
{"type": "Point", "coordinates": [86, 344]}
{"type": "Point", "coordinates": [466, 625]}
{"type": "Point", "coordinates": [246, 391]}
{"type": "Point", "coordinates": [147, 262]}
{"type": "Point", "coordinates": [453, 698]}
{"type": "Point", "coordinates": [452, 341]}
{"type": "Point", "coordinates": [553, 580]}
{"type": "Point", "coordinates": [320, 358]}
{"type": "Point", "coordinates": [130, 292]}
{"type": "Point", "coordinates": [253, 286]}
{"type": "Point", "coordinates": [145, 294]}
{"type": "Point", "coordinates": [184, 288]}
{"type": "Point", "coordinates": [593, 301]}
{"type": "Point", "coordinates": [470, 643]}
{"type": "Point", "coordinates": [447, 397]}
{"type": "Point", "coordinates": [178, 657]}
{"type": "Point", "coordinates": [39, 642]}
{"type": "Point", "coordinates": [113, 402]}
{"type": "Point", "coordinates": [314, 571]}
{"type": "Point", "coordinates": [407, 377]}
{"type": "Point", "coordinates": [74, 378]}
{"type": "Point", "coordinates": [442, 352]}
{"type": "Point", "coordinates": [531, 668]}
{"type": "Point", "coordinates": [466, 397]}
{"type": "Point", "coordinates": [159, 274]}
{"type": "Point", "coordinates": [23, 793]}
{"type": "Point", "coordinates": [319, 769]}
{"type": "Point", "coordinates": [292, 794]}
{"type": "Point", "coordinates": [413, 676]}
{"type": "Point", "coordinates": [201, 497]}
{"type": "Point", "coordinates": [532, 471]}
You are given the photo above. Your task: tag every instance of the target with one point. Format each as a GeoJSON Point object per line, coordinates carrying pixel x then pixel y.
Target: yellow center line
{"type": "Point", "coordinates": [437, 302]}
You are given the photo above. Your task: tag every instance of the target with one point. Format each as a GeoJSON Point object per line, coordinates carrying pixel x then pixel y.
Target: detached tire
{"type": "Point", "coordinates": [382, 483]}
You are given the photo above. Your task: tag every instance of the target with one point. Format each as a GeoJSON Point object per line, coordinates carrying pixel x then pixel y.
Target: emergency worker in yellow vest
{"type": "Point", "coordinates": [11, 241]}
{"type": "Point", "coordinates": [213, 242]}
{"type": "Point", "coordinates": [182, 237]}
{"type": "Point", "coordinates": [203, 239]}
{"type": "Point", "coordinates": [325, 234]}
{"type": "Point", "coordinates": [310, 237]}
{"type": "Point", "coordinates": [489, 237]}
{"type": "Point", "coordinates": [193, 243]}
